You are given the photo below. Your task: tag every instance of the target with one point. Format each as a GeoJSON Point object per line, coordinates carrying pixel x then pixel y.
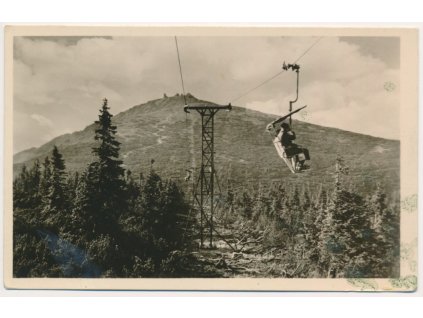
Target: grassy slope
{"type": "Point", "coordinates": [160, 130]}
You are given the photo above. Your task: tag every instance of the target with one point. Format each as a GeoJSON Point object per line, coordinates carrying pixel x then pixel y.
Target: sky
{"type": "Point", "coordinates": [351, 83]}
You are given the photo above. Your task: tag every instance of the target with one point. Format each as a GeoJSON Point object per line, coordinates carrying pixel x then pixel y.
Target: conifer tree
{"type": "Point", "coordinates": [346, 233]}
{"type": "Point", "coordinates": [85, 207]}
{"type": "Point", "coordinates": [19, 195]}
{"type": "Point", "coordinates": [228, 209]}
{"type": "Point", "coordinates": [100, 194]}
{"type": "Point", "coordinates": [297, 205]}
{"type": "Point", "coordinates": [45, 180]}
{"type": "Point", "coordinates": [175, 215]}
{"type": "Point", "coordinates": [132, 191]}
{"type": "Point", "coordinates": [26, 193]}
{"type": "Point", "coordinates": [313, 215]}
{"type": "Point", "coordinates": [276, 236]}
{"type": "Point", "coordinates": [107, 173]}
{"type": "Point", "coordinates": [390, 232]}
{"type": "Point", "coordinates": [72, 185]}
{"type": "Point", "coordinates": [385, 224]}
{"type": "Point", "coordinates": [377, 207]}
{"type": "Point", "coordinates": [318, 227]}
{"type": "Point", "coordinates": [56, 203]}
{"type": "Point", "coordinates": [161, 215]}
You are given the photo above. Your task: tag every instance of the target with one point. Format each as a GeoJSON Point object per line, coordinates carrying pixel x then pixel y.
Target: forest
{"type": "Point", "coordinates": [107, 222]}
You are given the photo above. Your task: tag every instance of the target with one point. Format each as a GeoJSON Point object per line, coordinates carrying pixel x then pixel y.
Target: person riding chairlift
{"type": "Point", "coordinates": [286, 136]}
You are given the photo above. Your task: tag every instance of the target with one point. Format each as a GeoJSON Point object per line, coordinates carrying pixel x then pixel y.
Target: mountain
{"type": "Point", "coordinates": [160, 130]}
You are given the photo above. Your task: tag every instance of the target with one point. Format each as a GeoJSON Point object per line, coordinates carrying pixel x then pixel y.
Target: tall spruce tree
{"type": "Point", "coordinates": [100, 199]}
{"type": "Point", "coordinates": [107, 173]}
{"type": "Point", "coordinates": [346, 233]}
{"type": "Point", "coordinates": [99, 195]}
{"type": "Point", "coordinates": [385, 223]}
{"type": "Point", "coordinates": [56, 201]}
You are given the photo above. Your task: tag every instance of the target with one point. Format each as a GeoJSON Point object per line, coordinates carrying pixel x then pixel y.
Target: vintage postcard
{"type": "Point", "coordinates": [211, 158]}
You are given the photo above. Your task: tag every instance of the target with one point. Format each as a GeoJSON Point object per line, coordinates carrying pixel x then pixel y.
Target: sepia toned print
{"type": "Point", "coordinates": [211, 158]}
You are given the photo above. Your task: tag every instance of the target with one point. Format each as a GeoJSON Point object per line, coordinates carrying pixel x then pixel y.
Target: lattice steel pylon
{"type": "Point", "coordinates": [204, 188]}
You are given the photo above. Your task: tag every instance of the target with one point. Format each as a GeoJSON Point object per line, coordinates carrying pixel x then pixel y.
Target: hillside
{"type": "Point", "coordinates": [160, 130]}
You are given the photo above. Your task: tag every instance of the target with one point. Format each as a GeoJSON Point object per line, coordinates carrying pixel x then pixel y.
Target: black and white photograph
{"type": "Point", "coordinates": [211, 158]}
